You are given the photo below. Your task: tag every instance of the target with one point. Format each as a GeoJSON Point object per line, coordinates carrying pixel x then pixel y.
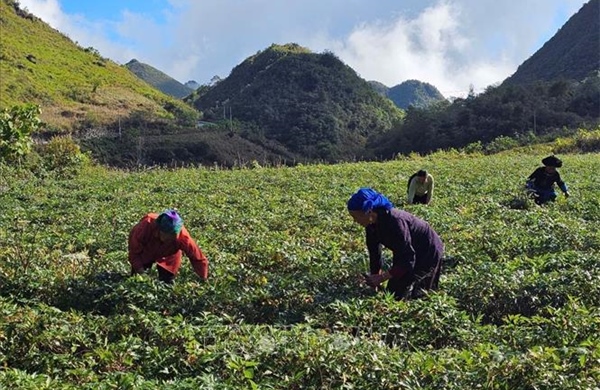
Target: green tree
{"type": "Point", "coordinates": [16, 126]}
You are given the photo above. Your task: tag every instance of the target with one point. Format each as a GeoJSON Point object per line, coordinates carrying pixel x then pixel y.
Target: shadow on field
{"type": "Point", "coordinates": [81, 294]}
{"type": "Point", "coordinates": [113, 293]}
{"type": "Point", "coordinates": [285, 301]}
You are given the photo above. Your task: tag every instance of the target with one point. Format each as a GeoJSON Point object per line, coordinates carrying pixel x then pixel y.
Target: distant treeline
{"type": "Point", "coordinates": [541, 110]}
{"type": "Point", "coordinates": [500, 118]}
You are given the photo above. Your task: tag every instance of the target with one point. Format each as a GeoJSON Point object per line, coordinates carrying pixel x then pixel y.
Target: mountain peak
{"type": "Point", "coordinates": [572, 53]}
{"type": "Point", "coordinates": [311, 103]}
{"type": "Point", "coordinates": [158, 79]}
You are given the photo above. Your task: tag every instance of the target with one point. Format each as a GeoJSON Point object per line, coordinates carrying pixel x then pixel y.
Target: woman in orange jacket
{"type": "Point", "coordinates": [161, 239]}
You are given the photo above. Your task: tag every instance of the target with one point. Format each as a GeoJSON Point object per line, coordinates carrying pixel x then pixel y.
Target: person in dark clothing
{"type": "Point", "coordinates": [417, 249]}
{"type": "Point", "coordinates": [541, 181]}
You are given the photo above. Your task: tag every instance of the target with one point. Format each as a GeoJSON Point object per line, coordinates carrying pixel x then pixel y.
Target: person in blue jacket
{"type": "Point", "coordinates": [541, 181]}
{"type": "Point", "coordinates": [416, 247]}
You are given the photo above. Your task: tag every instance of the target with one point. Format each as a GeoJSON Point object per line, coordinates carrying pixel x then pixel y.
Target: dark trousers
{"type": "Point", "coordinates": [420, 199]}
{"type": "Point", "coordinates": [414, 284]}
{"type": "Point", "coordinates": [541, 195]}
{"type": "Point", "coordinates": [163, 274]}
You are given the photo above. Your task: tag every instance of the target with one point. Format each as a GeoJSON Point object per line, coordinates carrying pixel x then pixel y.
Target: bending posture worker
{"type": "Point", "coordinates": [420, 188]}
{"type": "Point", "coordinates": [161, 239]}
{"type": "Point", "coordinates": [417, 249]}
{"type": "Point", "coordinates": [541, 181]}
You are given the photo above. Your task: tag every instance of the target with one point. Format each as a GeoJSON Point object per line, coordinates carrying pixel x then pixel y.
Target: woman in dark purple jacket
{"type": "Point", "coordinates": [416, 247]}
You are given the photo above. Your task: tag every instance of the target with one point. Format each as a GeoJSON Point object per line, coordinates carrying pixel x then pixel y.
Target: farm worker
{"type": "Point", "coordinates": [161, 239]}
{"type": "Point", "coordinates": [416, 247]}
{"type": "Point", "coordinates": [420, 188]}
{"type": "Point", "coordinates": [541, 181]}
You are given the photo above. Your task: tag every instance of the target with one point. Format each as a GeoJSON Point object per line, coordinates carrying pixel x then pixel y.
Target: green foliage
{"type": "Point", "coordinates": [414, 93]}
{"type": "Point", "coordinates": [474, 148]}
{"type": "Point", "coordinates": [501, 143]}
{"type": "Point", "coordinates": [184, 115]}
{"type": "Point", "coordinates": [284, 307]}
{"type": "Point", "coordinates": [523, 113]}
{"type": "Point", "coordinates": [583, 142]}
{"type": "Point", "coordinates": [16, 127]}
{"type": "Point", "coordinates": [63, 156]}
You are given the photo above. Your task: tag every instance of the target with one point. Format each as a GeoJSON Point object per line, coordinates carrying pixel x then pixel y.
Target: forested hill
{"type": "Point", "coordinates": [409, 93]}
{"type": "Point", "coordinates": [414, 93]}
{"type": "Point", "coordinates": [312, 103]}
{"type": "Point", "coordinates": [553, 93]}
{"type": "Point", "coordinates": [158, 79]}
{"type": "Point", "coordinates": [572, 53]}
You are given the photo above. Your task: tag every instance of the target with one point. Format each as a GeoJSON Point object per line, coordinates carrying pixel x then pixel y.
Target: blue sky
{"type": "Point", "coordinates": [110, 9]}
{"type": "Point", "coordinates": [452, 44]}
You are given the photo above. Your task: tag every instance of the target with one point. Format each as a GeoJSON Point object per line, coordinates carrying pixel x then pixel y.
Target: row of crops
{"type": "Point", "coordinates": [284, 307]}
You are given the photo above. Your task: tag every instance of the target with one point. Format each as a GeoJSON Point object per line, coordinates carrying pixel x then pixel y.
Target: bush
{"type": "Point", "coordinates": [584, 141]}
{"type": "Point", "coordinates": [16, 127]}
{"type": "Point", "coordinates": [63, 156]}
{"type": "Point", "coordinates": [501, 143]}
{"type": "Point", "coordinates": [474, 148]}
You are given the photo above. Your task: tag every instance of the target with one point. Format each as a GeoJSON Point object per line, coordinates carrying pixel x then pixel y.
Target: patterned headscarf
{"type": "Point", "coordinates": [367, 199]}
{"type": "Point", "coordinates": [169, 222]}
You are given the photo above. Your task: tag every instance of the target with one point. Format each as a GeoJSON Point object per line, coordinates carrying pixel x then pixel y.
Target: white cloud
{"type": "Point", "coordinates": [426, 48]}
{"type": "Point", "coordinates": [81, 30]}
{"type": "Point", "coordinates": [451, 44]}
{"type": "Point", "coordinates": [48, 10]}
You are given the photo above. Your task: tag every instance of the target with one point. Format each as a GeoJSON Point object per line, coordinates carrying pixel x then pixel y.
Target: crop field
{"type": "Point", "coordinates": [284, 306]}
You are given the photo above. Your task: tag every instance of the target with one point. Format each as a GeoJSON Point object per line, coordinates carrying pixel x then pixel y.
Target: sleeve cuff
{"type": "Point", "coordinates": [201, 270]}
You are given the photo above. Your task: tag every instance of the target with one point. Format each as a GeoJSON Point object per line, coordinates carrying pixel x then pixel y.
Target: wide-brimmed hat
{"type": "Point", "coordinates": [552, 161]}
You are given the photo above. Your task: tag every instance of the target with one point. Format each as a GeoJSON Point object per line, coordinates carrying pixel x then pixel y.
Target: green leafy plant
{"type": "Point", "coordinates": [284, 306]}
{"type": "Point", "coordinates": [17, 124]}
{"type": "Point", "coordinates": [63, 156]}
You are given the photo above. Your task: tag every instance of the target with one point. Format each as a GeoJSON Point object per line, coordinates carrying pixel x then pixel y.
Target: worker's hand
{"type": "Point", "coordinates": [367, 279]}
{"type": "Point", "coordinates": [375, 280]}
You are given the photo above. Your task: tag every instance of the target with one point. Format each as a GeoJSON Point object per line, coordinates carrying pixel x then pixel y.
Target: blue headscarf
{"type": "Point", "coordinates": [169, 222]}
{"type": "Point", "coordinates": [367, 199]}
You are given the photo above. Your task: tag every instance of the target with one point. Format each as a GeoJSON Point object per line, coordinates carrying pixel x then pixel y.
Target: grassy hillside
{"type": "Point", "coordinates": [519, 305]}
{"type": "Point", "coordinates": [75, 86]}
{"type": "Point", "coordinates": [158, 79]}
